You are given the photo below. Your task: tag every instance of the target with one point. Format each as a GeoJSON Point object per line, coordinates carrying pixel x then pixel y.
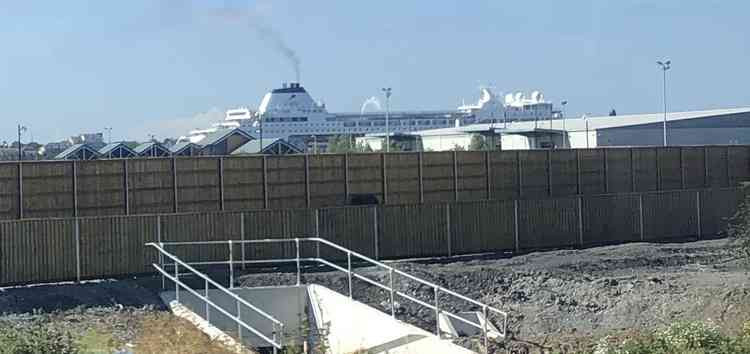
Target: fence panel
{"type": "Point", "coordinates": [670, 215]}
{"type": "Point", "coordinates": [150, 185]}
{"type": "Point", "coordinates": [693, 165]}
{"type": "Point", "coordinates": [243, 183]}
{"type": "Point", "coordinates": [214, 226]}
{"type": "Point", "coordinates": [564, 173]}
{"type": "Point", "coordinates": [48, 189]}
{"type": "Point", "coordinates": [438, 176]}
{"type": "Point", "coordinates": [402, 178]}
{"type": "Point", "coordinates": [366, 174]}
{"type": "Point", "coordinates": [483, 226]}
{"type": "Point", "coordinates": [645, 169]}
{"type": "Point", "coordinates": [352, 227]}
{"type": "Point", "coordinates": [9, 207]}
{"type": "Point", "coordinates": [619, 172]}
{"type": "Point", "coordinates": [40, 250]}
{"type": "Point", "coordinates": [534, 173]}
{"type": "Point", "coordinates": [504, 174]}
{"type": "Point", "coordinates": [717, 205]}
{"type": "Point", "coordinates": [610, 219]}
{"type": "Point", "coordinates": [198, 184]}
{"type": "Point", "coordinates": [718, 168]}
{"type": "Point", "coordinates": [327, 179]}
{"type": "Point", "coordinates": [101, 187]}
{"type": "Point", "coordinates": [592, 171]}
{"type": "Point", "coordinates": [287, 185]}
{"type": "Point", "coordinates": [547, 223]}
{"type": "Point", "coordinates": [739, 164]}
{"type": "Point", "coordinates": [413, 231]}
{"type": "Point", "coordinates": [114, 245]}
{"type": "Point", "coordinates": [670, 168]}
{"type": "Point", "coordinates": [472, 175]}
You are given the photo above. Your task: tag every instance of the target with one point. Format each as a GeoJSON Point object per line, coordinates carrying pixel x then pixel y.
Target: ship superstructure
{"type": "Point", "coordinates": [292, 114]}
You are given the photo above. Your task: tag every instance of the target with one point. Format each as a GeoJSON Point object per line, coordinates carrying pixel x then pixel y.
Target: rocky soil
{"type": "Point", "coordinates": [563, 300]}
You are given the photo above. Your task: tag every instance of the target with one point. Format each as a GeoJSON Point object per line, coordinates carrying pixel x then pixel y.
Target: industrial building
{"type": "Point", "coordinates": [712, 127]}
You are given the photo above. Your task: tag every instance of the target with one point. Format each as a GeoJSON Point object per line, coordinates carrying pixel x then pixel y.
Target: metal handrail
{"type": "Point", "coordinates": [277, 344]}
{"type": "Point", "coordinates": [348, 270]}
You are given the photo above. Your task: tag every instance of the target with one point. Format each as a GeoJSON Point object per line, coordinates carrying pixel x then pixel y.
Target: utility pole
{"type": "Point", "coordinates": [21, 129]}
{"type": "Point", "coordinates": [666, 65]}
{"type": "Point", "coordinates": [387, 92]}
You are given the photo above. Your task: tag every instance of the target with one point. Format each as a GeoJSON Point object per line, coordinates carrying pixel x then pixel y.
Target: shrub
{"type": "Point", "coordinates": [35, 338]}
{"type": "Point", "coordinates": [738, 228]}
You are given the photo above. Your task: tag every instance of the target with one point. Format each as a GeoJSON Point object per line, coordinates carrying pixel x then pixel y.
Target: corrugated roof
{"type": "Point", "coordinates": [110, 147]}
{"type": "Point", "coordinates": [254, 146]}
{"type": "Point", "coordinates": [176, 148]}
{"type": "Point", "coordinates": [145, 146]}
{"type": "Point", "coordinates": [65, 153]}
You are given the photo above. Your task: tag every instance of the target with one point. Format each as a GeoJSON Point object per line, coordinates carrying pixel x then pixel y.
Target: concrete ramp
{"type": "Point", "coordinates": [354, 326]}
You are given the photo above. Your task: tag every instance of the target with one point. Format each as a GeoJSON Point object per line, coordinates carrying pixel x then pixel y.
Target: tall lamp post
{"type": "Point", "coordinates": [109, 134]}
{"type": "Point", "coordinates": [21, 129]}
{"type": "Point", "coordinates": [387, 92]}
{"type": "Point", "coordinates": [665, 65]}
{"type": "Point", "coordinates": [565, 132]}
{"type": "Point", "coordinates": [563, 103]}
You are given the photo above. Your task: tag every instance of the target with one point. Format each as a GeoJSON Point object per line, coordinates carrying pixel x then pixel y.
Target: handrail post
{"type": "Point", "coordinates": [296, 242]}
{"type": "Point", "coordinates": [239, 322]}
{"type": "Point", "coordinates": [177, 282]}
{"type": "Point", "coordinates": [273, 336]}
{"type": "Point", "coordinates": [393, 305]}
{"type": "Point", "coordinates": [484, 329]}
{"type": "Point", "coordinates": [437, 313]}
{"type": "Point", "coordinates": [349, 261]}
{"type": "Point", "coordinates": [208, 307]}
{"type": "Point", "coordinates": [231, 266]}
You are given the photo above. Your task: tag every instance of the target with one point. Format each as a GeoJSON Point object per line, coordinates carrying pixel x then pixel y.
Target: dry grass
{"type": "Point", "coordinates": [165, 333]}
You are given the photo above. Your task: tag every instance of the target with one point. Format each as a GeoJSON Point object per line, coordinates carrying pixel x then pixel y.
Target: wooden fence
{"type": "Point", "coordinates": [161, 185]}
{"type": "Point", "coordinates": [58, 249]}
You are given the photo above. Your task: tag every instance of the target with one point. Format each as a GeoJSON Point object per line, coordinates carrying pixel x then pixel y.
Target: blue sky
{"type": "Point", "coordinates": [164, 67]}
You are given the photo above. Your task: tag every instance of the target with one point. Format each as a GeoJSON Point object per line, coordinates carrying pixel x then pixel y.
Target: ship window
{"type": "Point", "coordinates": [364, 124]}
{"type": "Point", "coordinates": [349, 124]}
{"type": "Point", "coordinates": [424, 122]}
{"type": "Point", "coordinates": [379, 123]}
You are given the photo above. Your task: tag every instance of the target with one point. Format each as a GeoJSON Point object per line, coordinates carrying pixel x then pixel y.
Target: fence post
{"type": "Point", "coordinates": [174, 184]}
{"type": "Point", "coordinates": [519, 169]}
{"type": "Point", "coordinates": [420, 156]}
{"type": "Point", "coordinates": [455, 175]}
{"type": "Point", "coordinates": [605, 164]}
{"type": "Point", "coordinates": [161, 255]}
{"type": "Point", "coordinates": [487, 169]}
{"type": "Point", "coordinates": [580, 221]}
{"type": "Point", "coordinates": [632, 171]}
{"type": "Point", "coordinates": [385, 178]}
{"type": "Point", "coordinates": [682, 169]}
{"type": "Point", "coordinates": [126, 186]}
{"type": "Point", "coordinates": [242, 238]}
{"type": "Point", "coordinates": [78, 249]}
{"type": "Point", "coordinates": [515, 224]}
{"type": "Point", "coordinates": [726, 160]}
{"type": "Point", "coordinates": [658, 169]}
{"type": "Point", "coordinates": [549, 172]}
{"type": "Point", "coordinates": [231, 265]}
{"type": "Point", "coordinates": [578, 171]}
{"type": "Point", "coordinates": [698, 213]}
{"type": "Point", "coordinates": [640, 219]}
{"type": "Point", "coordinates": [376, 237]}
{"type": "Point", "coordinates": [448, 228]}
{"type": "Point", "coordinates": [346, 178]}
{"type": "Point", "coordinates": [221, 183]}
{"type": "Point", "coordinates": [20, 190]}
{"type": "Point", "coordinates": [706, 182]}
{"type": "Point", "coordinates": [265, 182]}
{"type": "Point", "coordinates": [307, 180]}
{"type": "Point", "coordinates": [75, 188]}
{"type": "Point", "coordinates": [317, 233]}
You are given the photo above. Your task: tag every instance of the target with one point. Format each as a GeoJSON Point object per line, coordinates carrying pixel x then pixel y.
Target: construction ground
{"type": "Point", "coordinates": [558, 301]}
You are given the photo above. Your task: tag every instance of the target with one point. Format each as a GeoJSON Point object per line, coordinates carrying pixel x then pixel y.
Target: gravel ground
{"type": "Point", "coordinates": [567, 298]}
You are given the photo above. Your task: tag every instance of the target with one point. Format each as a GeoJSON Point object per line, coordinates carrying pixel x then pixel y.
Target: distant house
{"type": "Point", "coordinates": [116, 151]}
{"type": "Point", "coordinates": [224, 141]}
{"type": "Point", "coordinates": [185, 148]}
{"type": "Point", "coordinates": [78, 152]}
{"type": "Point", "coordinates": [152, 149]}
{"type": "Point", "coordinates": [269, 147]}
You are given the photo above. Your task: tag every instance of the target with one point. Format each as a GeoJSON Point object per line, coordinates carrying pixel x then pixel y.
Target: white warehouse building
{"type": "Point", "coordinates": [711, 127]}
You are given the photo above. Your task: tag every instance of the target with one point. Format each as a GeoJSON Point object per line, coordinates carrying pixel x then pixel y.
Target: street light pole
{"type": "Point", "coordinates": [565, 132]}
{"type": "Point", "coordinates": [387, 92]}
{"type": "Point", "coordinates": [21, 129]}
{"type": "Point", "coordinates": [666, 65]}
{"type": "Point", "coordinates": [109, 134]}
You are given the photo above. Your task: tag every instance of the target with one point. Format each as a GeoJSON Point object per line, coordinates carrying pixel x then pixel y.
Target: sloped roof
{"type": "Point", "coordinates": [221, 134]}
{"type": "Point", "coordinates": [176, 148]}
{"type": "Point", "coordinates": [145, 146]}
{"type": "Point", "coordinates": [254, 146]}
{"type": "Point", "coordinates": [74, 148]}
{"type": "Point", "coordinates": [111, 147]}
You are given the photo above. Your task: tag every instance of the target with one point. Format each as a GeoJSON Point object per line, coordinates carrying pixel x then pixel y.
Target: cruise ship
{"type": "Point", "coordinates": [290, 113]}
